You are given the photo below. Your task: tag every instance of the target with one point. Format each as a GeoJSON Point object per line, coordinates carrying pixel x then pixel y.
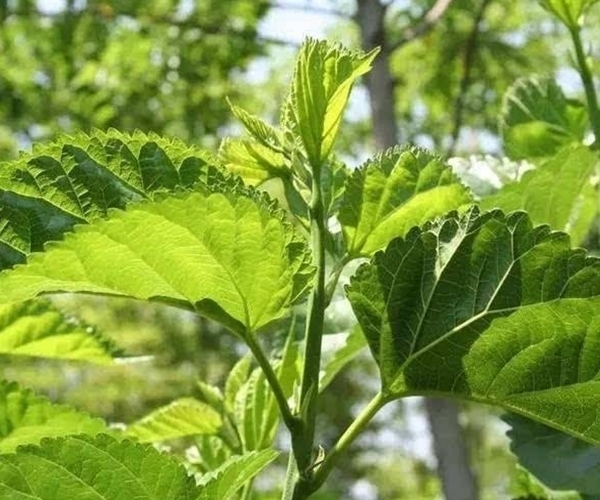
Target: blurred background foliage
{"type": "Point", "coordinates": [167, 66]}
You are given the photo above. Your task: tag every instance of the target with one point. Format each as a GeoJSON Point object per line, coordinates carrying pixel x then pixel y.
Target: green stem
{"type": "Point", "coordinates": [289, 420]}
{"type": "Point", "coordinates": [322, 471]}
{"type": "Point", "coordinates": [303, 444]}
{"type": "Point", "coordinates": [588, 83]}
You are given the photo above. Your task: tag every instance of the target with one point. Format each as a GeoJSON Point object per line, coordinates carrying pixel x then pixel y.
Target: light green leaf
{"type": "Point", "coordinates": [236, 379]}
{"type": "Point", "coordinates": [77, 179]}
{"type": "Point", "coordinates": [560, 461]}
{"type": "Point", "coordinates": [355, 344]}
{"type": "Point", "coordinates": [200, 251]}
{"type": "Point", "coordinates": [261, 131]}
{"type": "Point", "coordinates": [538, 120]}
{"type": "Point", "coordinates": [183, 417]}
{"type": "Point", "coordinates": [393, 192]}
{"type": "Point", "coordinates": [569, 12]}
{"type": "Point", "coordinates": [255, 409]}
{"type": "Point", "coordinates": [38, 328]}
{"type": "Point", "coordinates": [212, 395]}
{"type": "Point", "coordinates": [489, 308]}
{"type": "Point", "coordinates": [87, 468]}
{"type": "Point", "coordinates": [252, 161]}
{"type": "Point", "coordinates": [26, 418]}
{"type": "Point", "coordinates": [232, 475]}
{"type": "Point", "coordinates": [559, 192]}
{"type": "Point", "coordinates": [323, 78]}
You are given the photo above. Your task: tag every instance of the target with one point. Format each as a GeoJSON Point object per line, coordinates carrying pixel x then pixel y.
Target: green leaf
{"type": "Point", "coordinates": [38, 328]}
{"type": "Point", "coordinates": [255, 409]}
{"type": "Point", "coordinates": [234, 473]}
{"type": "Point", "coordinates": [560, 461]}
{"type": "Point", "coordinates": [261, 131]}
{"type": "Point", "coordinates": [538, 120]}
{"type": "Point", "coordinates": [212, 395]}
{"type": "Point", "coordinates": [236, 379]}
{"type": "Point", "coordinates": [559, 192]}
{"type": "Point", "coordinates": [489, 308]}
{"type": "Point", "coordinates": [26, 418]}
{"type": "Point", "coordinates": [87, 468]}
{"type": "Point", "coordinates": [393, 192]}
{"type": "Point", "coordinates": [78, 179]}
{"type": "Point", "coordinates": [252, 161]}
{"type": "Point", "coordinates": [355, 344]}
{"type": "Point", "coordinates": [183, 417]}
{"type": "Point", "coordinates": [569, 12]}
{"type": "Point", "coordinates": [323, 78]}
{"type": "Point", "coordinates": [231, 258]}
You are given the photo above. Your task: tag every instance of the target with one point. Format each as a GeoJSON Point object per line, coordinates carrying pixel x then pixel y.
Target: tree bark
{"type": "Point", "coordinates": [458, 482]}
{"type": "Point", "coordinates": [370, 16]}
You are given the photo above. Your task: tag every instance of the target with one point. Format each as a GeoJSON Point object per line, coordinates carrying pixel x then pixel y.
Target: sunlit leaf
{"type": "Point", "coordinates": [78, 179]}
{"type": "Point", "coordinates": [201, 251]}
{"type": "Point", "coordinates": [490, 308]}
{"type": "Point", "coordinates": [183, 417]}
{"type": "Point", "coordinates": [98, 468]}
{"type": "Point", "coordinates": [559, 192]}
{"type": "Point", "coordinates": [26, 418]}
{"type": "Point", "coordinates": [570, 12]}
{"type": "Point", "coordinates": [231, 476]}
{"type": "Point", "coordinates": [38, 328]}
{"type": "Point", "coordinates": [252, 161]}
{"type": "Point", "coordinates": [323, 78]}
{"type": "Point", "coordinates": [393, 192]}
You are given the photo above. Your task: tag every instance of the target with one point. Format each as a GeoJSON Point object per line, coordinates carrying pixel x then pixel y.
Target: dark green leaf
{"type": "Point", "coordinates": [489, 308]}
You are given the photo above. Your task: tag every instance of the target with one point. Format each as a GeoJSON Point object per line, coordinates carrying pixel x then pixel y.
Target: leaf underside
{"type": "Point", "coordinates": [180, 418]}
{"type": "Point", "coordinates": [232, 258]}
{"type": "Point", "coordinates": [393, 192]}
{"type": "Point", "coordinates": [489, 308]}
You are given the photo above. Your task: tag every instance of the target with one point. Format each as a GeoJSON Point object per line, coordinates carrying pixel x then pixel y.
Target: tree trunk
{"type": "Point", "coordinates": [458, 482]}
{"type": "Point", "coordinates": [380, 84]}
{"type": "Point", "coordinates": [450, 449]}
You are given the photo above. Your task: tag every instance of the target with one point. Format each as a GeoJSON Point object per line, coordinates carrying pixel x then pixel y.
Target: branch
{"type": "Point", "coordinates": [467, 70]}
{"type": "Point", "coordinates": [424, 24]}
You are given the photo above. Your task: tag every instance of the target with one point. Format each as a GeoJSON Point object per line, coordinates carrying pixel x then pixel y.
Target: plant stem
{"type": "Point", "coordinates": [289, 420]}
{"type": "Point", "coordinates": [323, 470]}
{"type": "Point", "coordinates": [303, 444]}
{"type": "Point", "coordinates": [588, 82]}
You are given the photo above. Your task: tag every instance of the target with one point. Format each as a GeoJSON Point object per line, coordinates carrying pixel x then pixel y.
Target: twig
{"type": "Point", "coordinates": [424, 24]}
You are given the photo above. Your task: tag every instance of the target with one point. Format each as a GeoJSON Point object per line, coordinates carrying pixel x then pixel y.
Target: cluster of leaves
{"type": "Point", "coordinates": [452, 300]}
{"type": "Point", "coordinates": [123, 64]}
